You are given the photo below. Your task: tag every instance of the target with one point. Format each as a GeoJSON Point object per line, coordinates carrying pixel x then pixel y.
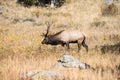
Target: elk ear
{"type": "Point", "coordinates": [58, 33]}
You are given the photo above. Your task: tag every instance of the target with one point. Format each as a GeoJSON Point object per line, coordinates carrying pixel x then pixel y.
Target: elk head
{"type": "Point", "coordinates": [51, 39]}
{"type": "Point", "coordinates": [46, 36]}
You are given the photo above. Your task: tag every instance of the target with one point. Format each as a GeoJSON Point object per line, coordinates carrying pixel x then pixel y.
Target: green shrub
{"type": "Point", "coordinates": [28, 2]}
{"type": "Point", "coordinates": [43, 3]}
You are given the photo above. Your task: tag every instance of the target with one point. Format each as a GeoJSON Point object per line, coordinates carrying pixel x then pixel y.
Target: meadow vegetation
{"type": "Point", "coordinates": [20, 39]}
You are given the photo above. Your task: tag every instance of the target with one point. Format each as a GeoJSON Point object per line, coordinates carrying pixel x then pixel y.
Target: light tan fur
{"type": "Point", "coordinates": [68, 36]}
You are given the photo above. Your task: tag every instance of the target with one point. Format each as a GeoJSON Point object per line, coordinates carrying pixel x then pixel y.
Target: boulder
{"type": "Point", "coordinates": [68, 61]}
{"type": "Point", "coordinates": [42, 75]}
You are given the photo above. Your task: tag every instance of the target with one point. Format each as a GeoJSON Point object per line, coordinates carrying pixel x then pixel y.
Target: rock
{"type": "Point", "coordinates": [68, 61]}
{"type": "Point", "coordinates": [42, 75]}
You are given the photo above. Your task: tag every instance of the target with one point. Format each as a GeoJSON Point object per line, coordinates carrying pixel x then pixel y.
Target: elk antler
{"type": "Point", "coordinates": [48, 28]}
{"type": "Point", "coordinates": [58, 33]}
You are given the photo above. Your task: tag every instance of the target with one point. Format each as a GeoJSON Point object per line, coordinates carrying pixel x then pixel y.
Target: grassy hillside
{"type": "Point", "coordinates": [20, 39]}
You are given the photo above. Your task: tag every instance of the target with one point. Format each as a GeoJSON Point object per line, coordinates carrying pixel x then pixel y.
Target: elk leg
{"type": "Point", "coordinates": [68, 46]}
{"type": "Point", "coordinates": [79, 47]}
{"type": "Point", "coordinates": [63, 44]}
{"type": "Point", "coordinates": [85, 46]}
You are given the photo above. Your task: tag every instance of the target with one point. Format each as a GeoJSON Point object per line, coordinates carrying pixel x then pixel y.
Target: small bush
{"type": "Point", "coordinates": [28, 2]}
{"type": "Point", "coordinates": [109, 9]}
{"type": "Point", "coordinates": [111, 48]}
{"type": "Point", "coordinates": [98, 23]}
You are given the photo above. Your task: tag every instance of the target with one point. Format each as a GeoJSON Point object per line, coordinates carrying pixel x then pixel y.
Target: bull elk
{"type": "Point", "coordinates": [64, 37]}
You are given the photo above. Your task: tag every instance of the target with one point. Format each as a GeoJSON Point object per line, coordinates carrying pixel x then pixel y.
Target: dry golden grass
{"type": "Point", "coordinates": [20, 42]}
{"type": "Point", "coordinates": [105, 66]}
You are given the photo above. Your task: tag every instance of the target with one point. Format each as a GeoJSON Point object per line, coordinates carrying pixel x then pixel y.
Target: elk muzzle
{"type": "Point", "coordinates": [43, 42]}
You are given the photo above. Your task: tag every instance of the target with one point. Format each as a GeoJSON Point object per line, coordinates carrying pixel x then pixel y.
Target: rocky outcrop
{"type": "Point", "coordinates": [68, 61]}
{"type": "Point", "coordinates": [42, 75]}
